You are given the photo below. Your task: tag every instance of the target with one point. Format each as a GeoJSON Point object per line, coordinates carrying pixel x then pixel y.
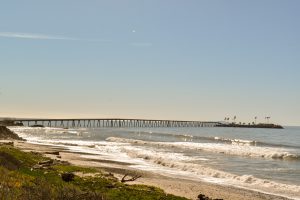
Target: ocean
{"type": "Point", "coordinates": [266, 160]}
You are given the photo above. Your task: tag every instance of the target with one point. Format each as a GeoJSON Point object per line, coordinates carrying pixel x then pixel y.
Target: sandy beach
{"type": "Point", "coordinates": [180, 187]}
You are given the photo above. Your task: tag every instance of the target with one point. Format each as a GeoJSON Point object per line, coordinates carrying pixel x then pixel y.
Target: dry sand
{"type": "Point", "coordinates": [180, 187]}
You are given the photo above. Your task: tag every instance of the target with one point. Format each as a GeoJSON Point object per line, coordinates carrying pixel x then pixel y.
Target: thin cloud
{"type": "Point", "coordinates": [33, 36]}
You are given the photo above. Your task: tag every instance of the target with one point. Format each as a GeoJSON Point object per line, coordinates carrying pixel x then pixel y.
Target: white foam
{"type": "Point", "coordinates": [230, 149]}
{"type": "Point", "coordinates": [39, 133]}
{"type": "Point", "coordinates": [179, 165]}
{"type": "Point", "coordinates": [236, 141]}
{"type": "Point", "coordinates": [173, 163]}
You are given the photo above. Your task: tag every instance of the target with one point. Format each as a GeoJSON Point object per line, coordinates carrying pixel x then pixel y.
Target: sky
{"type": "Point", "coordinates": [172, 59]}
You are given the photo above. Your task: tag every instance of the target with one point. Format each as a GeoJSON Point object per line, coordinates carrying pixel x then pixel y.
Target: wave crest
{"type": "Point", "coordinates": [229, 149]}
{"type": "Point", "coordinates": [177, 161]}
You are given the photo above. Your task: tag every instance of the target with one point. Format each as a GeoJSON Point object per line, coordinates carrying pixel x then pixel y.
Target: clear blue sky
{"type": "Point", "coordinates": [193, 60]}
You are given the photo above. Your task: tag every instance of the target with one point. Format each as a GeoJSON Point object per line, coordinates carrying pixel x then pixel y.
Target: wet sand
{"type": "Point", "coordinates": [176, 186]}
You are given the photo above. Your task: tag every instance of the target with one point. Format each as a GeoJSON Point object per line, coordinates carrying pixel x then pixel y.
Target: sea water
{"type": "Point", "coordinates": [266, 160]}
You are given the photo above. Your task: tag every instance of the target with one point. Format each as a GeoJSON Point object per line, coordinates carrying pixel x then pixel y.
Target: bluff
{"type": "Point", "coordinates": [5, 133]}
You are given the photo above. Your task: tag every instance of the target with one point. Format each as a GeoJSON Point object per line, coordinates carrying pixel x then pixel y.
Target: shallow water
{"type": "Point", "coordinates": [267, 160]}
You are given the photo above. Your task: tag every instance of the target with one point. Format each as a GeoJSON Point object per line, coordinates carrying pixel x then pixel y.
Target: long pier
{"type": "Point", "coordinates": [113, 122]}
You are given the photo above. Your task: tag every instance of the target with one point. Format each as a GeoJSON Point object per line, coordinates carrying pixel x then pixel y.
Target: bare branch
{"type": "Point", "coordinates": [130, 179]}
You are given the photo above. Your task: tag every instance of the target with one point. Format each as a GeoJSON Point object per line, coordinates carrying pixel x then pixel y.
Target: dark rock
{"type": "Point", "coordinates": [7, 143]}
{"type": "Point", "coordinates": [203, 197]}
{"type": "Point", "coordinates": [8, 122]}
{"type": "Point", "coordinates": [54, 152]}
{"type": "Point", "coordinates": [5, 133]}
{"type": "Point", "coordinates": [67, 176]}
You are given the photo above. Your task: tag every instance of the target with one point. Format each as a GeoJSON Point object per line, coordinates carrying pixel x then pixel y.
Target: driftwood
{"type": "Point", "coordinates": [46, 162]}
{"type": "Point", "coordinates": [130, 179]}
{"type": "Point", "coordinates": [43, 164]}
{"type": "Point", "coordinates": [53, 152]}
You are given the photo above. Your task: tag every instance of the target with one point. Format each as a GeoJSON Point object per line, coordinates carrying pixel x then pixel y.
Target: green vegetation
{"type": "Point", "coordinates": [72, 168]}
{"type": "Point", "coordinates": [23, 177]}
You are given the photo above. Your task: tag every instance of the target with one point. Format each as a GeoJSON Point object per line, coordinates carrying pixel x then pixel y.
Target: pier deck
{"type": "Point", "coordinates": [114, 122]}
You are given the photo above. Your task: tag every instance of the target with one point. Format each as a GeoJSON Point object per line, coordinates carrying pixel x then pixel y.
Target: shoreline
{"type": "Point", "coordinates": [176, 186]}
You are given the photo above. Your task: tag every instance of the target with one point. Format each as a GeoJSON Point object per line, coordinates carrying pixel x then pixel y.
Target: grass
{"type": "Point", "coordinates": [20, 181]}
{"type": "Point", "coordinates": [72, 168]}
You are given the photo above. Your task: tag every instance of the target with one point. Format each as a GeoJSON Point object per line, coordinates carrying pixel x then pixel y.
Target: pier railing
{"type": "Point", "coordinates": [117, 123]}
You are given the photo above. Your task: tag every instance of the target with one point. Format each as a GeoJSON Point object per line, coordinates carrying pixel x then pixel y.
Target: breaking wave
{"type": "Point", "coordinates": [236, 150]}
{"type": "Point", "coordinates": [184, 163]}
{"type": "Point", "coordinates": [189, 137]}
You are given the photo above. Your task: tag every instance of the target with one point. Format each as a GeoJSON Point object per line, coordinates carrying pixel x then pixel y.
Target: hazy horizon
{"type": "Point", "coordinates": [195, 60]}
